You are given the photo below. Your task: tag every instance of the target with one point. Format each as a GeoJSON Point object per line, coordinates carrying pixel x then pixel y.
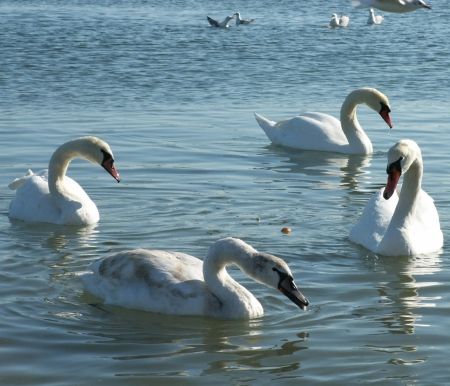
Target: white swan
{"type": "Point", "coordinates": [317, 131]}
{"type": "Point", "coordinates": [177, 283]}
{"type": "Point", "coordinates": [402, 225]}
{"type": "Point", "coordinates": [396, 6]}
{"type": "Point", "coordinates": [240, 20]}
{"type": "Point", "coordinates": [220, 24]}
{"type": "Point", "coordinates": [51, 196]}
{"type": "Point", "coordinates": [339, 21]}
{"type": "Point", "coordinates": [374, 19]}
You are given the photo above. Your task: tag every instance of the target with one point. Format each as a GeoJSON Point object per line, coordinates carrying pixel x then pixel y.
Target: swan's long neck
{"type": "Point", "coordinates": [58, 165]}
{"type": "Point", "coordinates": [411, 187]}
{"type": "Point", "coordinates": [357, 138]}
{"type": "Point", "coordinates": [235, 300]}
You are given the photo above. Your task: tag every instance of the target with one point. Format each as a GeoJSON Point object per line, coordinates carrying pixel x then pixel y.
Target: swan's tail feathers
{"type": "Point", "coordinates": [266, 124]}
{"type": "Point", "coordinates": [361, 3]}
{"type": "Point", "coordinates": [18, 182]}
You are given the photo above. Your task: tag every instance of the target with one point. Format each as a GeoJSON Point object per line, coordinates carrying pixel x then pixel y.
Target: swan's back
{"type": "Point", "coordinates": [309, 131]}
{"type": "Point", "coordinates": [33, 202]}
{"type": "Point", "coordinates": [150, 280]}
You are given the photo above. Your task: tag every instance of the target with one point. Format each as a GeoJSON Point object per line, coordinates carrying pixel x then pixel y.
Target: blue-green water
{"type": "Point", "coordinates": [175, 100]}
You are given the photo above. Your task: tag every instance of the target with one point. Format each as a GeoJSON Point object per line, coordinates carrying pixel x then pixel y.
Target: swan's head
{"type": "Point", "coordinates": [379, 102]}
{"type": "Point", "coordinates": [274, 272]}
{"type": "Point", "coordinates": [99, 152]}
{"type": "Point", "coordinates": [400, 158]}
{"type": "Point", "coordinates": [421, 4]}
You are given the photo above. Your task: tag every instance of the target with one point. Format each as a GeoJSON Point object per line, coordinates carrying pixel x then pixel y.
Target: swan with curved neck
{"type": "Point", "coordinates": [323, 132]}
{"type": "Point", "coordinates": [177, 283]}
{"type": "Point", "coordinates": [51, 196]}
{"type": "Point", "coordinates": [408, 224]}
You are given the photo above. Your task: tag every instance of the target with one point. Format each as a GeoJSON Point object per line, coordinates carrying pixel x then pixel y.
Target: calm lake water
{"type": "Point", "coordinates": [175, 100]}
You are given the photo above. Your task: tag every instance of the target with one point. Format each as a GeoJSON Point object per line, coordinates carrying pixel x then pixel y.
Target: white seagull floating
{"type": "Point", "coordinates": [405, 224]}
{"type": "Point", "coordinates": [374, 19]}
{"type": "Point", "coordinates": [240, 21]}
{"type": "Point", "coordinates": [396, 6]}
{"type": "Point", "coordinates": [179, 284]}
{"type": "Point", "coordinates": [220, 24]}
{"type": "Point", "coordinates": [339, 21]}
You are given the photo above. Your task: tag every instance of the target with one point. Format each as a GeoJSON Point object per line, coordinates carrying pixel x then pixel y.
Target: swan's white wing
{"type": "Point", "coordinates": [32, 201]}
{"type": "Point", "coordinates": [151, 280]}
{"type": "Point", "coordinates": [371, 227]}
{"type": "Point", "coordinates": [423, 230]}
{"type": "Point", "coordinates": [312, 131]}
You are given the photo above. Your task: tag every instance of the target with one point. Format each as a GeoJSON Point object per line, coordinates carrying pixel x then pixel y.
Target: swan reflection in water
{"type": "Point", "coordinates": [51, 236]}
{"type": "Point", "coordinates": [350, 169]}
{"type": "Point", "coordinates": [399, 289]}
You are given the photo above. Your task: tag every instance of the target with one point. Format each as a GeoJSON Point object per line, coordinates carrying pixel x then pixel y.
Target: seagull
{"type": "Point", "coordinates": [374, 19]}
{"type": "Point", "coordinates": [337, 21]}
{"type": "Point", "coordinates": [220, 24]}
{"type": "Point", "coordinates": [239, 20]}
{"type": "Point", "coordinates": [396, 6]}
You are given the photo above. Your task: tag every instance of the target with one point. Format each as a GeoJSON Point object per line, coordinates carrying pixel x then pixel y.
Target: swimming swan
{"type": "Point", "coordinates": [52, 197]}
{"type": "Point", "coordinates": [402, 225]}
{"type": "Point", "coordinates": [318, 131]}
{"type": "Point", "coordinates": [396, 6]}
{"type": "Point", "coordinates": [177, 283]}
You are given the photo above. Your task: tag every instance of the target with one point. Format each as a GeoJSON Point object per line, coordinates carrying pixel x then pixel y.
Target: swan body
{"type": "Point", "coordinates": [339, 21]}
{"type": "Point", "coordinates": [395, 6]}
{"type": "Point", "coordinates": [220, 24]}
{"type": "Point", "coordinates": [240, 20]}
{"type": "Point", "coordinates": [405, 224]}
{"type": "Point", "coordinates": [374, 19]}
{"type": "Point", "coordinates": [52, 197]}
{"type": "Point", "coordinates": [177, 283]}
{"type": "Point", "coordinates": [323, 132]}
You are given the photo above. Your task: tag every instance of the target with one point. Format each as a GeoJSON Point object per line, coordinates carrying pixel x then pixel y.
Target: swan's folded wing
{"type": "Point", "coordinates": [151, 280]}
{"type": "Point", "coordinates": [374, 220]}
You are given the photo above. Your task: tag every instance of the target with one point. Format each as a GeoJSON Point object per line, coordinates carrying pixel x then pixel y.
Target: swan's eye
{"type": "Point", "coordinates": [397, 165]}
{"type": "Point", "coordinates": [106, 156]}
{"type": "Point", "coordinates": [282, 277]}
{"type": "Point", "coordinates": [384, 108]}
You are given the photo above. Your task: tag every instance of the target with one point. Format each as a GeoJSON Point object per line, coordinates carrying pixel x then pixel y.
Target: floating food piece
{"type": "Point", "coordinates": [286, 230]}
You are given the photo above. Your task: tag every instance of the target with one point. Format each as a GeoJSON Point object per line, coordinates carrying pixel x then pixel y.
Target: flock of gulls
{"type": "Point", "coordinates": [393, 223]}
{"type": "Point", "coordinates": [394, 6]}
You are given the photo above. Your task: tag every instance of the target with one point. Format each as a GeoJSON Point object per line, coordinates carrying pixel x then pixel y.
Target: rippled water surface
{"type": "Point", "coordinates": [175, 100]}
